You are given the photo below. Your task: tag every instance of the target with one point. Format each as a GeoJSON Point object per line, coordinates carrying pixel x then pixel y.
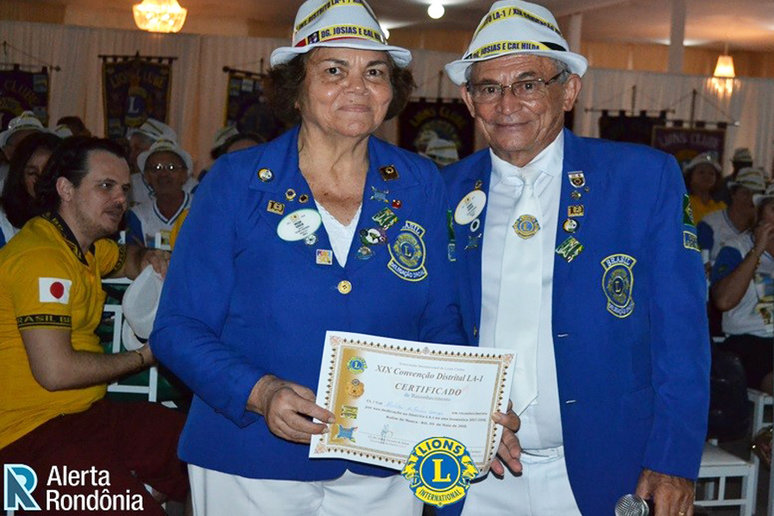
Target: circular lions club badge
{"type": "Point", "coordinates": [439, 470]}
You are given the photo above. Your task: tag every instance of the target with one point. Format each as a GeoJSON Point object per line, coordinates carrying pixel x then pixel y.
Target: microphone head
{"type": "Point", "coordinates": [631, 505]}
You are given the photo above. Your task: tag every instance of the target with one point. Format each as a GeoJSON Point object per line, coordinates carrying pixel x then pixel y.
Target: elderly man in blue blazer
{"type": "Point", "coordinates": [581, 255]}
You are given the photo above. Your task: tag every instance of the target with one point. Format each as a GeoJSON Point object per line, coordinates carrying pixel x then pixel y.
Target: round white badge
{"type": "Point", "coordinates": [470, 207]}
{"type": "Point", "coordinates": [298, 225]}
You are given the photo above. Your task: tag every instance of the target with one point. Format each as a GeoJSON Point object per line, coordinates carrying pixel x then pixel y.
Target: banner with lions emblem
{"type": "Point", "coordinates": [135, 88]}
{"type": "Point", "coordinates": [22, 90]}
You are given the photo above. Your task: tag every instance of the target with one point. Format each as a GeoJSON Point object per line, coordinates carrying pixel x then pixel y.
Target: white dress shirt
{"type": "Point", "coordinates": [541, 425]}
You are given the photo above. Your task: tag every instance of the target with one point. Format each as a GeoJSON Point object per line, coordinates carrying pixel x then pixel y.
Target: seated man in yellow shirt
{"type": "Point", "coordinates": [53, 372]}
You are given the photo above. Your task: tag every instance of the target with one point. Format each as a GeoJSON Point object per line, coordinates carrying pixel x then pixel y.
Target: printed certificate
{"type": "Point", "coordinates": [388, 395]}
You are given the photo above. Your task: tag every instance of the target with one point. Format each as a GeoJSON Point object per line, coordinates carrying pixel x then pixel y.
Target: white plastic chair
{"type": "Point", "coordinates": [717, 467]}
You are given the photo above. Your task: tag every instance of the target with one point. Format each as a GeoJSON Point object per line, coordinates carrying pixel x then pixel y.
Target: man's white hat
{"type": "Point", "coordinates": [751, 178]}
{"type": "Point", "coordinates": [168, 146]}
{"type": "Point", "coordinates": [153, 129]}
{"type": "Point", "coordinates": [140, 302]}
{"type": "Point", "coordinates": [24, 122]}
{"type": "Point", "coordinates": [337, 23]}
{"type": "Point", "coordinates": [516, 27]}
{"type": "Point", "coordinates": [768, 194]}
{"type": "Point", "coordinates": [708, 157]}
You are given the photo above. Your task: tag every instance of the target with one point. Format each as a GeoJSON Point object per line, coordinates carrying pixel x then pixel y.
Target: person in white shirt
{"type": "Point", "coordinates": [166, 166]}
{"type": "Point", "coordinates": [743, 288]}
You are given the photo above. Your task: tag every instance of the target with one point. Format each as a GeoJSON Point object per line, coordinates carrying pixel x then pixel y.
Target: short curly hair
{"type": "Point", "coordinates": [284, 82]}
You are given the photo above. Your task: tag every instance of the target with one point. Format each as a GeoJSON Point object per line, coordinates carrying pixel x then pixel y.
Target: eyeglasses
{"type": "Point", "coordinates": [527, 89]}
{"type": "Point", "coordinates": [158, 168]}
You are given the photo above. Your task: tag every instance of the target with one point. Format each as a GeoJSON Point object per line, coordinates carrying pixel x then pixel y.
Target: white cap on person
{"type": "Point", "coordinates": [164, 146]}
{"type": "Point", "coordinates": [709, 158]}
{"type": "Point", "coordinates": [153, 129]}
{"type": "Point", "coordinates": [751, 178]}
{"type": "Point", "coordinates": [343, 24]}
{"type": "Point", "coordinates": [516, 27]}
{"type": "Point", "coordinates": [24, 122]}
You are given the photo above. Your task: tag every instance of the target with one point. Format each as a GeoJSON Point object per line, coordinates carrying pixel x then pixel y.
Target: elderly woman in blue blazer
{"type": "Point", "coordinates": [292, 238]}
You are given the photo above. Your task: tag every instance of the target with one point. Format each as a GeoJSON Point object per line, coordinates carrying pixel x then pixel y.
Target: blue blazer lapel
{"type": "Point", "coordinates": [472, 241]}
{"type": "Point", "coordinates": [567, 258]}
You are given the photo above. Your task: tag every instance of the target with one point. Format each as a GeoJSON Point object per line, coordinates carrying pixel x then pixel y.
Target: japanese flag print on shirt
{"type": "Point", "coordinates": [54, 290]}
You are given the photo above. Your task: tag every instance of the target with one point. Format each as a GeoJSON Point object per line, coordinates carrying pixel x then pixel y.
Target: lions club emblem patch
{"type": "Point", "coordinates": [439, 470]}
{"type": "Point", "coordinates": [618, 283]}
{"type": "Point", "coordinates": [407, 253]}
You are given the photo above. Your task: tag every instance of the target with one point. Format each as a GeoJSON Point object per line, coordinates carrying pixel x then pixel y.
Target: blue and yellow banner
{"type": "Point", "coordinates": [22, 90]}
{"type": "Point", "coordinates": [135, 88]}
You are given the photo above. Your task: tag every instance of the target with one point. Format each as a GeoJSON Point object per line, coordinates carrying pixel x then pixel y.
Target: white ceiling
{"type": "Point", "coordinates": [742, 24]}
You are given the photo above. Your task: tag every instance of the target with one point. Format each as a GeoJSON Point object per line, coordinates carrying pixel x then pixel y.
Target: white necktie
{"type": "Point", "coordinates": [520, 292]}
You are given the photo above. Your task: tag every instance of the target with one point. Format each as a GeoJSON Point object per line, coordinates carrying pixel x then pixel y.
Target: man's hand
{"type": "Point", "coordinates": [671, 495]}
{"type": "Point", "coordinates": [288, 408]}
{"type": "Point", "coordinates": [157, 259]}
{"type": "Point", "coordinates": [509, 449]}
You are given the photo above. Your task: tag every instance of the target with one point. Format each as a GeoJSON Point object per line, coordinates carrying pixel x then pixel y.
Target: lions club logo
{"type": "Point", "coordinates": [439, 470]}
{"type": "Point", "coordinates": [617, 283]}
{"type": "Point", "coordinates": [407, 253]}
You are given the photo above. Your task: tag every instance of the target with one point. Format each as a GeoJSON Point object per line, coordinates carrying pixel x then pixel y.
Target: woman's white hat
{"type": "Point", "coordinates": [337, 23]}
{"type": "Point", "coordinates": [516, 27]}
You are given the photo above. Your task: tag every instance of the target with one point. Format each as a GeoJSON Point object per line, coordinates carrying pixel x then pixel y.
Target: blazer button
{"type": "Point", "coordinates": [345, 287]}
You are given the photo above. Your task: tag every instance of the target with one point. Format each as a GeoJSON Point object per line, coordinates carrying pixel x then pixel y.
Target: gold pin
{"type": "Point", "coordinates": [275, 207]}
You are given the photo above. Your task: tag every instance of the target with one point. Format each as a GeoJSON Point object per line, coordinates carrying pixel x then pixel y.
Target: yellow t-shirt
{"type": "Point", "coordinates": [701, 209]}
{"type": "Point", "coordinates": [47, 282]}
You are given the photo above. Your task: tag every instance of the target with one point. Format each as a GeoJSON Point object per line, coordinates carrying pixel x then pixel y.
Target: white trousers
{"type": "Point", "coordinates": [542, 489]}
{"type": "Point", "coordinates": [221, 494]}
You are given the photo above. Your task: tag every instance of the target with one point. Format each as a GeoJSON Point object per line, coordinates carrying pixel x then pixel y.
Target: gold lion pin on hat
{"type": "Point", "coordinates": [516, 27]}
{"type": "Point", "coordinates": [337, 23]}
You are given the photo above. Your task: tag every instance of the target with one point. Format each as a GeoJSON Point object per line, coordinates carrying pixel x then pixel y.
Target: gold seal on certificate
{"type": "Point", "coordinates": [389, 396]}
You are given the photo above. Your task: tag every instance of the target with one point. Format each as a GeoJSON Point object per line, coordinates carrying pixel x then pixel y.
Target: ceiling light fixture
{"type": "Point", "coordinates": [725, 67]}
{"type": "Point", "coordinates": [386, 31]}
{"type": "Point", "coordinates": [159, 15]}
{"type": "Point", "coordinates": [723, 77]}
{"type": "Point", "coordinates": [435, 10]}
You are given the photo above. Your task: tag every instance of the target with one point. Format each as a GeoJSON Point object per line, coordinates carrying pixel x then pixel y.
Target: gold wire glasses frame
{"type": "Point", "coordinates": [168, 167]}
{"type": "Point", "coordinates": [526, 89]}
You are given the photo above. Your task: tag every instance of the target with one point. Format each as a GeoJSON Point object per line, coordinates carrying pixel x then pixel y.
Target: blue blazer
{"type": "Point", "coordinates": [239, 302]}
{"type": "Point", "coordinates": [630, 329]}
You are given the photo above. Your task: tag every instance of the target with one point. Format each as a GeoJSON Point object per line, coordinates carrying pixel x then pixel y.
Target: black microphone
{"type": "Point", "coordinates": [632, 505]}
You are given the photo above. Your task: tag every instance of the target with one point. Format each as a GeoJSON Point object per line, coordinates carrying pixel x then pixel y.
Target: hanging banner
{"type": "Point", "coordinates": [23, 91]}
{"type": "Point", "coordinates": [684, 143]}
{"type": "Point", "coordinates": [246, 106]}
{"type": "Point", "coordinates": [135, 88]}
{"type": "Point", "coordinates": [441, 130]}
